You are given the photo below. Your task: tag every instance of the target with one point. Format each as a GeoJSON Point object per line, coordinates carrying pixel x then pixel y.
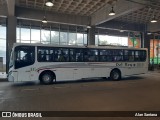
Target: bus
{"type": "Point", "coordinates": [50, 63]}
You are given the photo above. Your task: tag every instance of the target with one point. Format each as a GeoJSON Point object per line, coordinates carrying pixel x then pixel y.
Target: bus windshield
{"type": "Point", "coordinates": [24, 56]}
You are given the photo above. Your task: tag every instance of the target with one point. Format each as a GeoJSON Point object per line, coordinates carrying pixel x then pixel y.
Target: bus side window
{"type": "Point", "coordinates": [61, 58]}
{"type": "Point", "coordinates": [126, 58]}
{"type": "Point", "coordinates": [44, 56]}
{"type": "Point", "coordinates": [56, 55]}
{"type": "Point", "coordinates": [86, 56]}
{"type": "Point", "coordinates": [103, 58]}
{"type": "Point", "coordinates": [131, 58]}
{"type": "Point", "coordinates": [72, 55]}
{"type": "Point", "coordinates": [63, 55]}
{"type": "Point", "coordinates": [39, 56]}
{"type": "Point", "coordinates": [79, 57]}
{"type": "Point", "coordinates": [51, 55]}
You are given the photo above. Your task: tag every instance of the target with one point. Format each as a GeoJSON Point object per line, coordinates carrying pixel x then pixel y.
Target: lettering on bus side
{"type": "Point", "coordinates": [130, 64]}
{"type": "Point", "coordinates": [118, 64]}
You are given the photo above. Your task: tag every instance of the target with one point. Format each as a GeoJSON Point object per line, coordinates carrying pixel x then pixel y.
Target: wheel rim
{"type": "Point", "coordinates": [46, 78]}
{"type": "Point", "coordinates": [115, 75]}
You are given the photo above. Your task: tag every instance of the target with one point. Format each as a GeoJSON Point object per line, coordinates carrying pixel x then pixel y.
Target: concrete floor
{"type": "Point", "coordinates": [138, 93]}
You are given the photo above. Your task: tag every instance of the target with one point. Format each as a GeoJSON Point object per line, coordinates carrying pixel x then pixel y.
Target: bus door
{"type": "Point", "coordinates": [24, 61]}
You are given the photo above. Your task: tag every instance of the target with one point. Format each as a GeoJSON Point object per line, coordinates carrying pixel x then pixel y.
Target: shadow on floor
{"type": "Point", "coordinates": [33, 83]}
{"type": "Point", "coordinates": [100, 80]}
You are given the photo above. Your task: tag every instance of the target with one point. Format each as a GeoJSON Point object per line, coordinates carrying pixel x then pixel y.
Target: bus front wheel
{"type": "Point", "coordinates": [47, 77]}
{"type": "Point", "coordinates": [115, 75]}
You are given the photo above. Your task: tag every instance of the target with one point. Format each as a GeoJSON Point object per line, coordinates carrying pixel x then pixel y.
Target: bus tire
{"type": "Point", "coordinates": [115, 75]}
{"type": "Point", "coordinates": [47, 77]}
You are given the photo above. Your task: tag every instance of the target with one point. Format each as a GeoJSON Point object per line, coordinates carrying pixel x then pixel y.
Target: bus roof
{"type": "Point", "coordinates": [76, 46]}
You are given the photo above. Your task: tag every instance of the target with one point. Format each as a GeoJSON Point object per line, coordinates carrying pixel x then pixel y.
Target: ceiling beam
{"type": "Point", "coordinates": [121, 7]}
{"type": "Point", "coordinates": [153, 27]}
{"type": "Point", "coordinates": [11, 7]}
{"type": "Point", "coordinates": [3, 12]}
{"type": "Point", "coordinates": [53, 17]}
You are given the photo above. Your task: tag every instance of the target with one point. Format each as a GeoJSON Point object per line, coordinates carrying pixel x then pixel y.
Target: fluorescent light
{"type": "Point", "coordinates": [88, 26]}
{"type": "Point", "coordinates": [153, 19]}
{"type": "Point", "coordinates": [44, 20]}
{"type": "Point", "coordinates": [112, 12]}
{"type": "Point", "coordinates": [49, 3]}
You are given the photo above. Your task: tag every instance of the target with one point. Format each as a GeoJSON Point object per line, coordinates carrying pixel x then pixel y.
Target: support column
{"type": "Point", "coordinates": [147, 43]}
{"type": "Point", "coordinates": [147, 40]}
{"type": "Point", "coordinates": [142, 39]}
{"type": "Point", "coordinates": [91, 35]}
{"type": "Point", "coordinates": [11, 37]}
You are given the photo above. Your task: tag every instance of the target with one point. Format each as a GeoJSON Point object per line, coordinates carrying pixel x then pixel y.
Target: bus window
{"type": "Point", "coordinates": [76, 55]}
{"type": "Point", "coordinates": [143, 55]}
{"type": "Point", "coordinates": [86, 55]}
{"type": "Point", "coordinates": [140, 55]}
{"type": "Point", "coordinates": [51, 56]}
{"type": "Point", "coordinates": [103, 57]}
{"type": "Point", "coordinates": [43, 55]}
{"type": "Point", "coordinates": [93, 55]}
{"type": "Point", "coordinates": [72, 55]}
{"type": "Point", "coordinates": [118, 58]}
{"type": "Point", "coordinates": [126, 57]}
{"type": "Point", "coordinates": [131, 55]}
{"type": "Point", "coordinates": [63, 54]}
{"type": "Point", "coordinates": [24, 56]}
{"type": "Point", "coordinates": [79, 55]}
{"type": "Point", "coordinates": [118, 55]}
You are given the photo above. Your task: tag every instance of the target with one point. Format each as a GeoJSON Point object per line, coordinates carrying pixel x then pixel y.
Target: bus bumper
{"type": "Point", "coordinates": [10, 77]}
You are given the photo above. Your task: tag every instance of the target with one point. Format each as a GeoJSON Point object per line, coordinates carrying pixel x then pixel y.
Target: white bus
{"type": "Point", "coordinates": [49, 63]}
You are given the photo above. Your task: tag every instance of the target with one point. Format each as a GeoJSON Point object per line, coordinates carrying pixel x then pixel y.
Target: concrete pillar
{"type": "Point", "coordinates": [11, 37]}
{"type": "Point", "coordinates": [142, 39]}
{"type": "Point", "coordinates": [91, 35]}
{"type": "Point", "coordinates": [147, 42]}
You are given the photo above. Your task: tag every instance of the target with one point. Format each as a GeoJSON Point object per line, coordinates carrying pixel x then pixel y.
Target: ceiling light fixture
{"type": "Point", "coordinates": [49, 3]}
{"type": "Point", "coordinates": [88, 27]}
{"type": "Point", "coordinates": [44, 20]}
{"type": "Point", "coordinates": [111, 13]}
{"type": "Point", "coordinates": [153, 19]}
{"type": "Point", "coordinates": [121, 31]}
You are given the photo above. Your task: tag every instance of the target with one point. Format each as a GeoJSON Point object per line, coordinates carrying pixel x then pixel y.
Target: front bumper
{"type": "Point", "coordinates": [10, 77]}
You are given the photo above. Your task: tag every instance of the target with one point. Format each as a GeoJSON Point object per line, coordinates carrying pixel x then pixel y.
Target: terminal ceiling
{"type": "Point", "coordinates": [131, 15]}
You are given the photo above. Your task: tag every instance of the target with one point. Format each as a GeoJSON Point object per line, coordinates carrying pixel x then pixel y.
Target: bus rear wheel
{"type": "Point", "coordinates": [47, 78]}
{"type": "Point", "coordinates": [115, 75]}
